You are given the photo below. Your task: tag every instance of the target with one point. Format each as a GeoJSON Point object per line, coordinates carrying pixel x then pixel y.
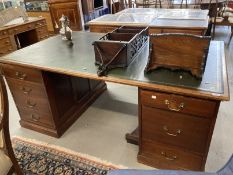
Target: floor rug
{"type": "Point", "coordinates": [44, 159]}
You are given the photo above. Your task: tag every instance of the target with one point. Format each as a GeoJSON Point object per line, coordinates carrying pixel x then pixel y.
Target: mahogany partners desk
{"type": "Point", "coordinates": [53, 84]}
{"type": "Point", "coordinates": [192, 21]}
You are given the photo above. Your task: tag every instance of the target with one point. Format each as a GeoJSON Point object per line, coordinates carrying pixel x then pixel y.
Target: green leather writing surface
{"type": "Point", "coordinates": [54, 55]}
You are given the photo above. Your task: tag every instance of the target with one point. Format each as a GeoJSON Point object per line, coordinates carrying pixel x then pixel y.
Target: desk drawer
{"type": "Point", "coordinates": [42, 33]}
{"type": "Point", "coordinates": [36, 117]}
{"type": "Point", "coordinates": [163, 156]}
{"type": "Point", "coordinates": [177, 129]}
{"type": "Point", "coordinates": [3, 33]}
{"type": "Point", "coordinates": [40, 23]}
{"type": "Point", "coordinates": [22, 28]}
{"type": "Point", "coordinates": [4, 42]}
{"type": "Point", "coordinates": [178, 103]}
{"type": "Point", "coordinates": [22, 73]}
{"type": "Point", "coordinates": [6, 49]}
{"type": "Point", "coordinates": [26, 89]}
{"type": "Point", "coordinates": [42, 30]}
{"type": "Point", "coordinates": [160, 30]}
{"type": "Point", "coordinates": [32, 103]}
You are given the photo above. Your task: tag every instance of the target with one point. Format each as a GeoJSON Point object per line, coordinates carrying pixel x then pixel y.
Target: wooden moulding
{"type": "Point", "coordinates": [178, 51]}
{"type": "Point", "coordinates": [119, 48]}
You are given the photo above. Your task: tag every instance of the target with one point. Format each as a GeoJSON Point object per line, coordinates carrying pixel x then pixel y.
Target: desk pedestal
{"type": "Point", "coordinates": [175, 130]}
{"type": "Point", "coordinates": [48, 102]}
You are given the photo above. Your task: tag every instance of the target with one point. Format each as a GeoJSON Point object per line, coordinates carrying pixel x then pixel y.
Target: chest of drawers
{"type": "Point", "coordinates": [175, 130]}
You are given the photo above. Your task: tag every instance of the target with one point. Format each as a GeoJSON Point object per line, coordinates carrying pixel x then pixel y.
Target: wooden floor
{"type": "Point", "coordinates": [101, 129]}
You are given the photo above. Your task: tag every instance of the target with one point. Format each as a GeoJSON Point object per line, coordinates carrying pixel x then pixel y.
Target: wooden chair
{"type": "Point", "coordinates": [223, 17]}
{"type": "Point", "coordinates": [148, 3]}
{"type": "Point", "coordinates": [196, 4]}
{"type": "Point", "coordinates": [119, 5]}
{"type": "Point", "coordinates": [8, 162]}
{"type": "Point", "coordinates": [226, 170]}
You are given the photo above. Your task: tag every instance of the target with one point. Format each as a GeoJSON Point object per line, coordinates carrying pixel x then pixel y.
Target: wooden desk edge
{"type": "Point", "coordinates": [163, 88]}
{"type": "Point", "coordinates": [16, 25]}
{"type": "Point", "coordinates": [150, 26]}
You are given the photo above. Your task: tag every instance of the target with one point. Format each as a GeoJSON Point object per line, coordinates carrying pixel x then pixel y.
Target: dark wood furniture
{"type": "Point", "coordinates": [119, 48]}
{"type": "Point", "coordinates": [9, 163]}
{"type": "Point", "coordinates": [174, 51]}
{"type": "Point", "coordinates": [48, 102]}
{"type": "Point", "coordinates": [22, 34]}
{"type": "Point", "coordinates": [149, 17]}
{"type": "Point", "coordinates": [69, 8]}
{"type": "Point", "coordinates": [177, 112]}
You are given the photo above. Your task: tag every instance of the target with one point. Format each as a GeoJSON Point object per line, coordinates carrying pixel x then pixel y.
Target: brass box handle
{"type": "Point", "coordinates": [171, 158]}
{"type": "Point", "coordinates": [21, 76]}
{"type": "Point", "coordinates": [172, 106]}
{"type": "Point", "coordinates": [178, 131]}
{"type": "Point", "coordinates": [25, 90]}
{"type": "Point", "coordinates": [35, 118]}
{"type": "Point", "coordinates": [30, 104]}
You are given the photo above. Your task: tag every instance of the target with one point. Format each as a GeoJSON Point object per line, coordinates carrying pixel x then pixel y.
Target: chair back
{"type": "Point", "coordinates": [5, 141]}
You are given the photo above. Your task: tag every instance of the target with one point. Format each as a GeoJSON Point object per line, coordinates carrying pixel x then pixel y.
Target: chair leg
{"type": "Point", "coordinates": [230, 36]}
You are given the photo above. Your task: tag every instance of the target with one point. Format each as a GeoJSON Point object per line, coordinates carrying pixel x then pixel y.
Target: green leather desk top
{"type": "Point", "coordinates": [54, 55]}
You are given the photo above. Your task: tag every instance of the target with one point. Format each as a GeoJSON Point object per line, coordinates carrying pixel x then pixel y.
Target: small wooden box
{"type": "Point", "coordinates": [178, 51]}
{"type": "Point", "coordinates": [119, 48]}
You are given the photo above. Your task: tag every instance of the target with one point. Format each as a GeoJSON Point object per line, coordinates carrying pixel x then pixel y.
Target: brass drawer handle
{"type": "Point", "coordinates": [30, 104]}
{"type": "Point", "coordinates": [165, 128]}
{"type": "Point", "coordinates": [173, 107]}
{"type": "Point", "coordinates": [25, 90]}
{"type": "Point", "coordinates": [35, 118]}
{"type": "Point", "coordinates": [171, 158]}
{"type": "Point", "coordinates": [21, 76]}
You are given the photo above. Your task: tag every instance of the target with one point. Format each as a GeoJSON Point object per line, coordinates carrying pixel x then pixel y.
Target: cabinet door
{"type": "Point", "coordinates": [69, 9]}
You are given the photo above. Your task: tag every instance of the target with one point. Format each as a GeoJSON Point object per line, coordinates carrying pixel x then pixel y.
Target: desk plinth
{"type": "Point", "coordinates": [177, 112]}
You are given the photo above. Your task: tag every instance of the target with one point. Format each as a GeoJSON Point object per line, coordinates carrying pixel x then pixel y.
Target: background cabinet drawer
{"type": "Point", "coordinates": [175, 129]}
{"type": "Point", "coordinates": [36, 117]}
{"type": "Point", "coordinates": [5, 42]}
{"type": "Point", "coordinates": [6, 49]}
{"type": "Point", "coordinates": [178, 103]}
{"type": "Point", "coordinates": [164, 156]}
{"type": "Point", "coordinates": [40, 23]}
{"type": "Point", "coordinates": [22, 28]}
{"type": "Point", "coordinates": [42, 30]}
{"type": "Point", "coordinates": [22, 73]}
{"type": "Point", "coordinates": [3, 33]}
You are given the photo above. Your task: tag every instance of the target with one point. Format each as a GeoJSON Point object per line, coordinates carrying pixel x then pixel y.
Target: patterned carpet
{"type": "Point", "coordinates": [43, 159]}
